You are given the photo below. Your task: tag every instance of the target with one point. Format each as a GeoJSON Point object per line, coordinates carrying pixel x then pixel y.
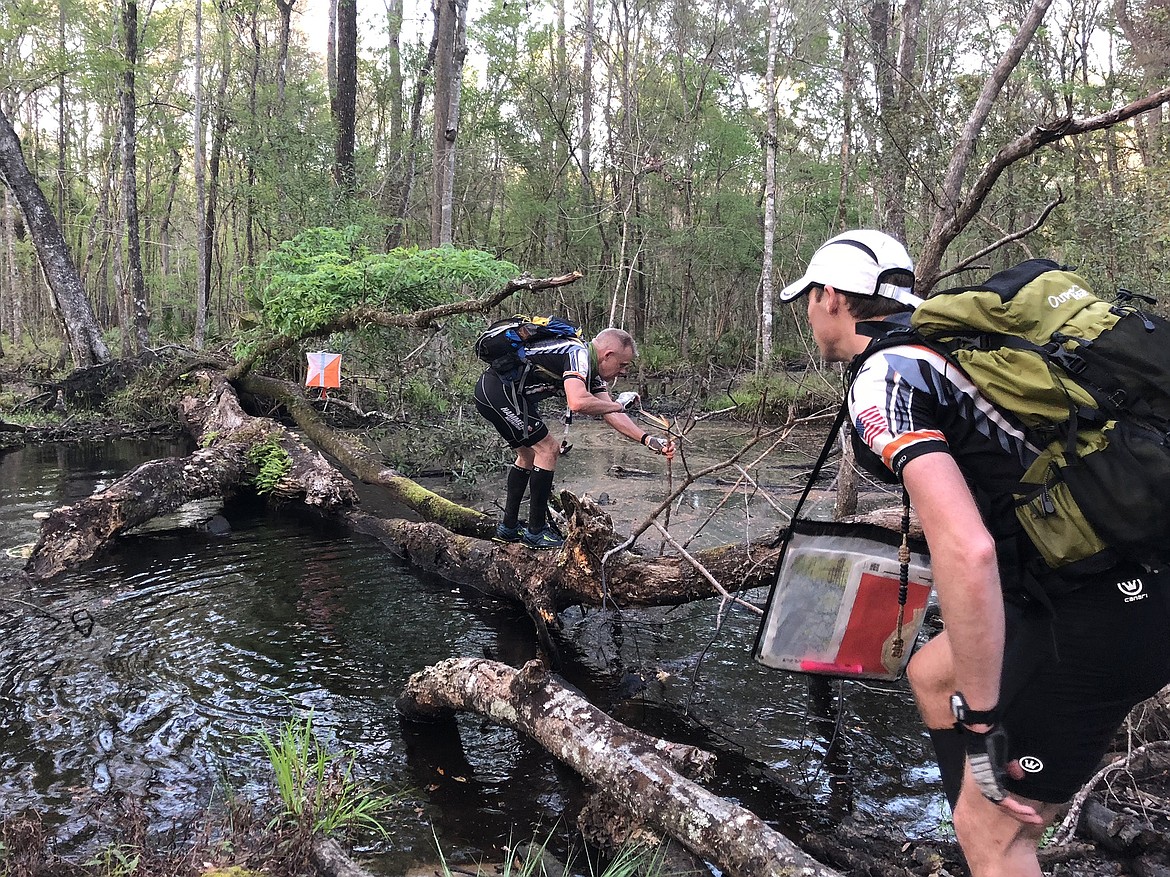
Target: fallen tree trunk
{"type": "Point", "coordinates": [545, 583]}
{"type": "Point", "coordinates": [641, 773]}
{"type": "Point", "coordinates": [73, 534]}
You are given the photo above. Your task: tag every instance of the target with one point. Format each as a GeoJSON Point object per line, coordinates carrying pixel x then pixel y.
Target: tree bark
{"type": "Point", "coordinates": [285, 8]}
{"type": "Point", "coordinates": [644, 775]}
{"type": "Point", "coordinates": [404, 185]}
{"type": "Point", "coordinates": [73, 534]}
{"type": "Point", "coordinates": [345, 105]}
{"type": "Point", "coordinates": [202, 265]}
{"type": "Point", "coordinates": [211, 207]}
{"type": "Point", "coordinates": [82, 331]}
{"type": "Point", "coordinates": [445, 26]}
{"type": "Point", "coordinates": [764, 358]}
{"type": "Point", "coordinates": [135, 291]}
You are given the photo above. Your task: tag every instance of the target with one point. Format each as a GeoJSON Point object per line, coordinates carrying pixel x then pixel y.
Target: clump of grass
{"type": "Point", "coordinates": [633, 859]}
{"type": "Point", "coordinates": [316, 787]}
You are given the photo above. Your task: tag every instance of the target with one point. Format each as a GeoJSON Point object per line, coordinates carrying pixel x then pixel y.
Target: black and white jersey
{"type": "Point", "coordinates": [555, 360]}
{"type": "Point", "coordinates": [908, 400]}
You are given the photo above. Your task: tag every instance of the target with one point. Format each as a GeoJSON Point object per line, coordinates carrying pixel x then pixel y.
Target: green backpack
{"type": "Point", "coordinates": [1091, 381]}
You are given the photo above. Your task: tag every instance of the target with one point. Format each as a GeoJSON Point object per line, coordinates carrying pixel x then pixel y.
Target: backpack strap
{"type": "Point", "coordinates": [823, 456]}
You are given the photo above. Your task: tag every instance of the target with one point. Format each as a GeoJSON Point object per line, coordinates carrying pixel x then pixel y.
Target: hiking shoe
{"type": "Point", "coordinates": [508, 534]}
{"type": "Point", "coordinates": [546, 538]}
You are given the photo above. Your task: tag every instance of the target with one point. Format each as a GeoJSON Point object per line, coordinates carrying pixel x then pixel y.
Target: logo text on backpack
{"type": "Point", "coordinates": [1071, 294]}
{"type": "Point", "coordinates": [1132, 590]}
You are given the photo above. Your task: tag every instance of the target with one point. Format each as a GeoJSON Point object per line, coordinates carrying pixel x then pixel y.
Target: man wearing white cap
{"type": "Point", "coordinates": [1021, 695]}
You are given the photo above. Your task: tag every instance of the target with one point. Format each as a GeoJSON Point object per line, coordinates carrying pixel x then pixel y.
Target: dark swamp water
{"type": "Point", "coordinates": [143, 674]}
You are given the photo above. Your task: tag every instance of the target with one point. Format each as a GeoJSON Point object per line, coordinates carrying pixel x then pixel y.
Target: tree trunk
{"type": "Point", "coordinates": [135, 289]}
{"type": "Point", "coordinates": [210, 217]}
{"type": "Point", "coordinates": [62, 116]}
{"type": "Point", "coordinates": [645, 776]}
{"type": "Point", "coordinates": [402, 188]}
{"type": "Point", "coordinates": [73, 534]}
{"type": "Point", "coordinates": [164, 227]}
{"type": "Point", "coordinates": [445, 25]}
{"type": "Point", "coordinates": [13, 312]}
{"type": "Point", "coordinates": [82, 332]}
{"type": "Point", "coordinates": [764, 353]}
{"type": "Point", "coordinates": [202, 266]}
{"type": "Point", "coordinates": [285, 7]}
{"type": "Point", "coordinates": [451, 133]}
{"type": "Point", "coordinates": [345, 105]}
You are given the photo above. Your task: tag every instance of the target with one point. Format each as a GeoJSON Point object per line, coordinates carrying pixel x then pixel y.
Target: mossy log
{"type": "Point", "coordinates": [357, 459]}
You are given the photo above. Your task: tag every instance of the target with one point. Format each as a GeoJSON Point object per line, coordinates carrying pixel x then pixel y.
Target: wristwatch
{"type": "Point", "coordinates": [964, 715]}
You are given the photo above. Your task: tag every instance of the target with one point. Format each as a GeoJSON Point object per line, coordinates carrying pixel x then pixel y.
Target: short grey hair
{"type": "Point", "coordinates": [616, 339]}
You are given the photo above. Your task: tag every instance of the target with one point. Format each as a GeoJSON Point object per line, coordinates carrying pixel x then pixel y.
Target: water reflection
{"type": "Point", "coordinates": [144, 673]}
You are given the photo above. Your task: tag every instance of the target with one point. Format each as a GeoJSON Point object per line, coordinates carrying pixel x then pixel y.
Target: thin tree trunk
{"type": "Point", "coordinates": [764, 354]}
{"type": "Point", "coordinates": [218, 134]}
{"type": "Point", "coordinates": [947, 223]}
{"type": "Point", "coordinates": [400, 200]}
{"type": "Point", "coordinates": [135, 282]}
{"type": "Point", "coordinates": [331, 59]}
{"type": "Point", "coordinates": [847, 89]}
{"type": "Point", "coordinates": [250, 157]}
{"type": "Point", "coordinates": [202, 266]}
{"type": "Point", "coordinates": [12, 302]}
{"type": "Point", "coordinates": [345, 102]}
{"type": "Point", "coordinates": [164, 227]}
{"type": "Point", "coordinates": [62, 115]}
{"type": "Point", "coordinates": [451, 133]}
{"type": "Point", "coordinates": [285, 7]}
{"type": "Point", "coordinates": [394, 65]}
{"type": "Point", "coordinates": [82, 332]}
{"type": "Point", "coordinates": [445, 18]}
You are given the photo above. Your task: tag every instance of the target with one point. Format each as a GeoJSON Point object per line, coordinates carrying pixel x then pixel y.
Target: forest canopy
{"type": "Point", "coordinates": [683, 156]}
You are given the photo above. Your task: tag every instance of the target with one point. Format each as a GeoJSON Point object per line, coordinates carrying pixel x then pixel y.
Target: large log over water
{"type": "Point", "coordinates": [646, 776]}
{"type": "Point", "coordinates": [544, 582]}
{"type": "Point", "coordinates": [225, 432]}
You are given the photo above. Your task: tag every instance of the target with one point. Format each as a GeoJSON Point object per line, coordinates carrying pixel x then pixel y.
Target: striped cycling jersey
{"type": "Point", "coordinates": [555, 360]}
{"type": "Point", "coordinates": [909, 400]}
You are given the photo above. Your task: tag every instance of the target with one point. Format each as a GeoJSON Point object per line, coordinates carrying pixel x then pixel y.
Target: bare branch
{"type": "Point", "coordinates": [705, 573]}
{"type": "Point", "coordinates": [1006, 239]}
{"type": "Point", "coordinates": [955, 215]}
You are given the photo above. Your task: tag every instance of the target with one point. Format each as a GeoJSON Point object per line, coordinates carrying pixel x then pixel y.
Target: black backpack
{"type": "Point", "coordinates": [502, 345]}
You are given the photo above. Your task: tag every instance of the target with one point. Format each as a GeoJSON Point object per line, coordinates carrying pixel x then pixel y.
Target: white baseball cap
{"type": "Point", "coordinates": [864, 262]}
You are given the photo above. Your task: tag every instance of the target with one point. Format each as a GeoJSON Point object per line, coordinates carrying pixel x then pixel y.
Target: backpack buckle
{"type": "Point", "coordinates": [1072, 363]}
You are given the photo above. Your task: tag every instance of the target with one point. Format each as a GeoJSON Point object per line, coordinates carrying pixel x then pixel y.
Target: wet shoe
{"type": "Point", "coordinates": [545, 539]}
{"type": "Point", "coordinates": [508, 534]}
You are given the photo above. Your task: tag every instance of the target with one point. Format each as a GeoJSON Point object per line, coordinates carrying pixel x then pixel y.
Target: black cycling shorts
{"type": "Point", "coordinates": [1071, 677]}
{"type": "Point", "coordinates": [516, 418]}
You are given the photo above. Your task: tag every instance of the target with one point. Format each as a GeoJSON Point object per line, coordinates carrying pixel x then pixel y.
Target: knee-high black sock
{"type": "Point", "coordinates": [540, 485]}
{"type": "Point", "coordinates": [951, 751]}
{"type": "Point", "coordinates": [517, 483]}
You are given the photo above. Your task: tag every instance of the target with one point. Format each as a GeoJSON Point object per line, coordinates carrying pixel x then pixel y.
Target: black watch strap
{"type": "Point", "coordinates": [964, 715]}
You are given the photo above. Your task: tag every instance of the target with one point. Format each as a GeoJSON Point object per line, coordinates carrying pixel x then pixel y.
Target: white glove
{"type": "Point", "coordinates": [627, 399]}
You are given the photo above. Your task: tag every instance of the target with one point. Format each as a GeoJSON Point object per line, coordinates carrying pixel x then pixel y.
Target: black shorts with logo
{"type": "Point", "coordinates": [1071, 676]}
{"type": "Point", "coordinates": [515, 417]}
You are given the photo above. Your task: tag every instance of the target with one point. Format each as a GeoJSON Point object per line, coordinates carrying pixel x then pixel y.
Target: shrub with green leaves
{"type": "Point", "coordinates": [323, 272]}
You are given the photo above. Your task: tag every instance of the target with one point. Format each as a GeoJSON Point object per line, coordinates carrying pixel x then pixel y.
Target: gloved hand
{"type": "Point", "coordinates": [987, 752]}
{"type": "Point", "coordinates": [627, 399]}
